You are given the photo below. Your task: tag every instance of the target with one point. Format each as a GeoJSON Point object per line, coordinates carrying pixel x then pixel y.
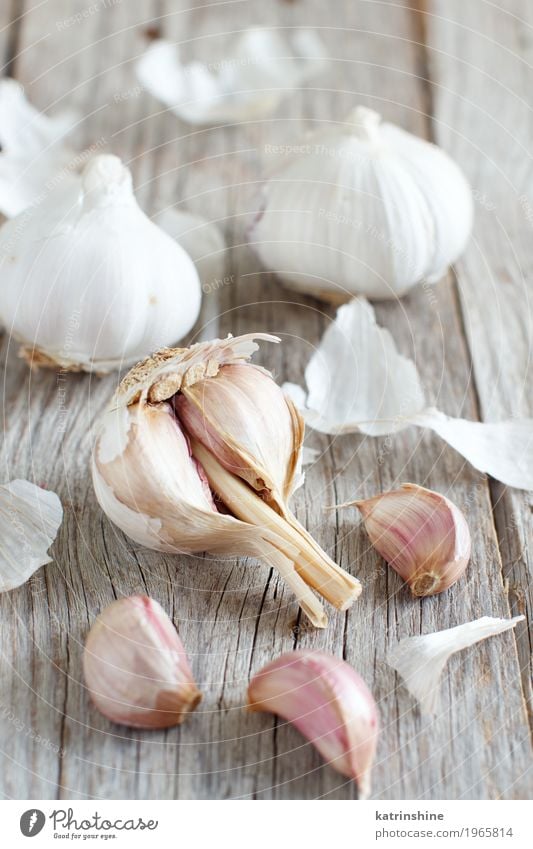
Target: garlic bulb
{"type": "Point", "coordinates": [363, 209]}
{"type": "Point", "coordinates": [328, 702]}
{"type": "Point", "coordinates": [29, 521]}
{"type": "Point", "coordinates": [420, 660]}
{"type": "Point", "coordinates": [421, 534]}
{"type": "Point", "coordinates": [136, 668]}
{"type": "Point", "coordinates": [88, 281]}
{"type": "Point", "coordinates": [190, 424]}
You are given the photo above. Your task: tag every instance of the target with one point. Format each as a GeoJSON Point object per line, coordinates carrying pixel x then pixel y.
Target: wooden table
{"type": "Point", "coordinates": [458, 72]}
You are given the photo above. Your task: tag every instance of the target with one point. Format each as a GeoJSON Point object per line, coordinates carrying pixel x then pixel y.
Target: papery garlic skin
{"type": "Point", "coordinates": [358, 382]}
{"type": "Point", "coordinates": [248, 83]}
{"type": "Point", "coordinates": [186, 424]}
{"type": "Point", "coordinates": [88, 281]}
{"type": "Point", "coordinates": [328, 702]}
{"type": "Point", "coordinates": [367, 209]}
{"type": "Point", "coordinates": [136, 668]}
{"type": "Point", "coordinates": [32, 150]}
{"type": "Point", "coordinates": [420, 660]}
{"type": "Point", "coordinates": [421, 534]}
{"type": "Point", "coordinates": [29, 520]}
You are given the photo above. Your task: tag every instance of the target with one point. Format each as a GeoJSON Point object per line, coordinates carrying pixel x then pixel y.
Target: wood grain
{"type": "Point", "coordinates": [484, 120]}
{"type": "Point", "coordinates": [235, 615]}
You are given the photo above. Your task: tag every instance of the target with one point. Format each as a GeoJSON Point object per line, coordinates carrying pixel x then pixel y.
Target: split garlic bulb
{"type": "Point", "coordinates": [365, 208]}
{"type": "Point", "coordinates": [88, 282]}
{"type": "Point", "coordinates": [200, 451]}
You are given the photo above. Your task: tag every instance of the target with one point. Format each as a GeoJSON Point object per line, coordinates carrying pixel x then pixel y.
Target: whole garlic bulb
{"type": "Point", "coordinates": [363, 209]}
{"type": "Point", "coordinates": [88, 282]}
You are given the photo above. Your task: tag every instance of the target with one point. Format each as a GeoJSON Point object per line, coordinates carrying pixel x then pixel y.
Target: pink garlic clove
{"type": "Point", "coordinates": [242, 417]}
{"type": "Point", "coordinates": [135, 666]}
{"type": "Point", "coordinates": [328, 702]}
{"type": "Point", "coordinates": [421, 534]}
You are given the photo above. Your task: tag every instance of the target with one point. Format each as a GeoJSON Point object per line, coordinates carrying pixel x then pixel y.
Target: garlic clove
{"type": "Point", "coordinates": [328, 702]}
{"type": "Point", "coordinates": [420, 660]}
{"type": "Point", "coordinates": [242, 416]}
{"type": "Point", "coordinates": [32, 152]}
{"type": "Point", "coordinates": [388, 211]}
{"type": "Point", "coordinates": [421, 534]}
{"type": "Point", "coordinates": [248, 84]}
{"type": "Point", "coordinates": [135, 666]}
{"type": "Point", "coordinates": [89, 282]}
{"type": "Point", "coordinates": [358, 382]}
{"type": "Point", "coordinates": [156, 480]}
{"type": "Point", "coordinates": [29, 521]}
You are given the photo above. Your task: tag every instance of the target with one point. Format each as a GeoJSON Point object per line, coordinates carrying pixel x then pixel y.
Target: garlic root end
{"type": "Point", "coordinates": [312, 565]}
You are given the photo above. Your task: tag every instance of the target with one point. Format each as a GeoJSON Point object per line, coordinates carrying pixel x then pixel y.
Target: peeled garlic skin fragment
{"type": "Point", "coordinates": [29, 521]}
{"type": "Point", "coordinates": [420, 660]}
{"type": "Point", "coordinates": [328, 702]}
{"type": "Point", "coordinates": [136, 668]}
{"type": "Point", "coordinates": [247, 83]}
{"type": "Point", "coordinates": [421, 534]}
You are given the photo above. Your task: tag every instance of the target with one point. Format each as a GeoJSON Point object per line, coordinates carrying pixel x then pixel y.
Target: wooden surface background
{"type": "Point", "coordinates": [454, 71]}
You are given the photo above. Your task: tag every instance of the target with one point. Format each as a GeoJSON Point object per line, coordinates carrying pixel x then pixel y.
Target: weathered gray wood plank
{"type": "Point", "coordinates": [10, 16]}
{"type": "Point", "coordinates": [386, 79]}
{"type": "Point", "coordinates": [483, 117]}
{"type": "Point", "coordinates": [234, 616]}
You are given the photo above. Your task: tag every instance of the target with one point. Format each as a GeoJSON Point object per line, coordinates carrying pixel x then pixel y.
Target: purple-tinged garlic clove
{"type": "Point", "coordinates": [136, 668]}
{"type": "Point", "coordinates": [328, 702]}
{"type": "Point", "coordinates": [421, 534]}
{"type": "Point", "coordinates": [242, 417]}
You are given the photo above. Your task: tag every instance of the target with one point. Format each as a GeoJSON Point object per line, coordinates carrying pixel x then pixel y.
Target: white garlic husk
{"type": "Point", "coordinates": [32, 149]}
{"type": "Point", "coordinates": [259, 69]}
{"type": "Point", "coordinates": [420, 660]}
{"type": "Point", "coordinates": [365, 208]}
{"type": "Point", "coordinates": [29, 521]}
{"type": "Point", "coordinates": [88, 282]}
